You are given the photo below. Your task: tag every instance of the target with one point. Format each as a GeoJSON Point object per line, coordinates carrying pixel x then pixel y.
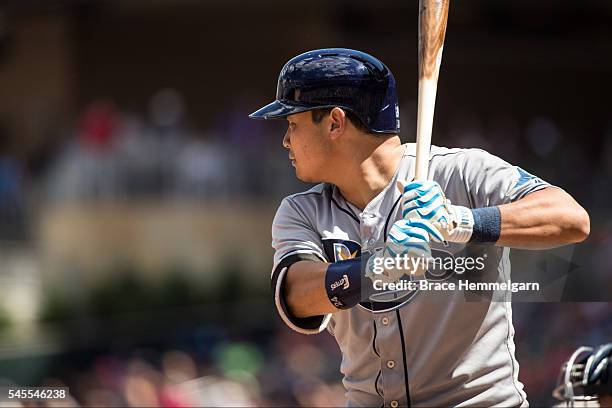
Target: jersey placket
{"type": "Point", "coordinates": [388, 344]}
{"type": "Point", "coordinates": [387, 341]}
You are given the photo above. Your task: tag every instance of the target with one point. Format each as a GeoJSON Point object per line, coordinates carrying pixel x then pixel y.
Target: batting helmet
{"type": "Point", "coordinates": [341, 77]}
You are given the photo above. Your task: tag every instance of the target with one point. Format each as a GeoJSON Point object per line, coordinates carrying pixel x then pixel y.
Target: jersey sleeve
{"type": "Point", "coordinates": [294, 239]}
{"type": "Point", "coordinates": [492, 181]}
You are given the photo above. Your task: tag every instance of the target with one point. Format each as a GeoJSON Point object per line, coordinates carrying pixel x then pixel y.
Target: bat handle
{"type": "Point", "coordinates": [425, 115]}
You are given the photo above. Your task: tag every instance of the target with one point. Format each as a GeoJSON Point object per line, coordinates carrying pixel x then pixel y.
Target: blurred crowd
{"type": "Point", "coordinates": [268, 369]}
{"type": "Point", "coordinates": [203, 367]}
{"type": "Point", "coordinates": [116, 155]}
{"type": "Point", "coordinates": [113, 155]}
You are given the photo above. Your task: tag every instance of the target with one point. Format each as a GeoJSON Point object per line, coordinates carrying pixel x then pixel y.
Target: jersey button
{"type": "Point", "coordinates": [390, 363]}
{"type": "Point", "coordinates": [385, 320]}
{"type": "Point", "coordinates": [394, 404]}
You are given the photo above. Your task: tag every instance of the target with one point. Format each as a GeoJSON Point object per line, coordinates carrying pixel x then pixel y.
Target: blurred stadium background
{"type": "Point", "coordinates": [136, 197]}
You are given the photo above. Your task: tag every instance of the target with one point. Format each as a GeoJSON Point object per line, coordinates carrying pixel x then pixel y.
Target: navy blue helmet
{"type": "Point", "coordinates": [337, 77]}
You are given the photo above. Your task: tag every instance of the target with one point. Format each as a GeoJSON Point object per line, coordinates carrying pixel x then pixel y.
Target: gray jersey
{"type": "Point", "coordinates": [414, 349]}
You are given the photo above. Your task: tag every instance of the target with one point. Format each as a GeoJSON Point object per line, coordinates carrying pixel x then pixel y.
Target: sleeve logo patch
{"type": "Point", "coordinates": [525, 177]}
{"type": "Point", "coordinates": [341, 250]}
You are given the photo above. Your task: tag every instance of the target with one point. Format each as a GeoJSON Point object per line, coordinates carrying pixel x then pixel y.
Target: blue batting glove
{"type": "Point", "coordinates": [424, 199]}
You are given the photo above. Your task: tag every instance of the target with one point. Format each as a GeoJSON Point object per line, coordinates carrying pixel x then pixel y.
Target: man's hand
{"type": "Point", "coordinates": [425, 200]}
{"type": "Point", "coordinates": [406, 251]}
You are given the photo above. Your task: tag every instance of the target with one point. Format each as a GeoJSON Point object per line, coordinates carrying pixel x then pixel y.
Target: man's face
{"type": "Point", "coordinates": [307, 143]}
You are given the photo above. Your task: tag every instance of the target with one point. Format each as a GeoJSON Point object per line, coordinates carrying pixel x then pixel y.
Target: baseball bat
{"type": "Point", "coordinates": [433, 15]}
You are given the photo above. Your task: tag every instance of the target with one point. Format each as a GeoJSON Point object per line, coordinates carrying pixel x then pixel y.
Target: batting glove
{"type": "Point", "coordinates": [406, 252]}
{"type": "Point", "coordinates": [425, 200]}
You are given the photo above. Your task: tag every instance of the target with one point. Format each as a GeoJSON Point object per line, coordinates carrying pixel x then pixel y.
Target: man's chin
{"type": "Point", "coordinates": [302, 179]}
{"type": "Point", "coordinates": [305, 178]}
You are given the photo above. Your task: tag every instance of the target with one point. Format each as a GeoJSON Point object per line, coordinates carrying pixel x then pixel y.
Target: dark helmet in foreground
{"type": "Point", "coordinates": [586, 376]}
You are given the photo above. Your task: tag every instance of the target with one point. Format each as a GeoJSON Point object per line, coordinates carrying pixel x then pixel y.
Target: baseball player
{"type": "Point", "coordinates": [410, 346]}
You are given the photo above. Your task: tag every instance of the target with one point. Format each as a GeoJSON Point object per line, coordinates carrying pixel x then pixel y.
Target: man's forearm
{"type": "Point", "coordinates": [305, 292]}
{"type": "Point", "coordinates": [544, 219]}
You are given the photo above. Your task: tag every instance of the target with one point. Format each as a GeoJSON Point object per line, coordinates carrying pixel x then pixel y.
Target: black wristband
{"type": "Point", "coordinates": [487, 225]}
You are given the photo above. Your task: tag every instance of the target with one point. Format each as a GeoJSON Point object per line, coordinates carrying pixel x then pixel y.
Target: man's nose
{"type": "Point", "coordinates": [286, 141]}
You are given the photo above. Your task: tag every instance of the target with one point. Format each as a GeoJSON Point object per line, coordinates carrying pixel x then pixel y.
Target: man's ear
{"type": "Point", "coordinates": [337, 122]}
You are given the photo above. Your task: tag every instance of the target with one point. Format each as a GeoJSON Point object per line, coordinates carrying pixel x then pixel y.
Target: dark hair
{"type": "Point", "coordinates": [319, 114]}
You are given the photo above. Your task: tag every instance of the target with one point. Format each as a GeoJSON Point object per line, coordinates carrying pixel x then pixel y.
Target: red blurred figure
{"type": "Point", "coordinates": [97, 124]}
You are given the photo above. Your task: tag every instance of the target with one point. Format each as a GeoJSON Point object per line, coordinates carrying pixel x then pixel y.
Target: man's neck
{"type": "Point", "coordinates": [368, 170]}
